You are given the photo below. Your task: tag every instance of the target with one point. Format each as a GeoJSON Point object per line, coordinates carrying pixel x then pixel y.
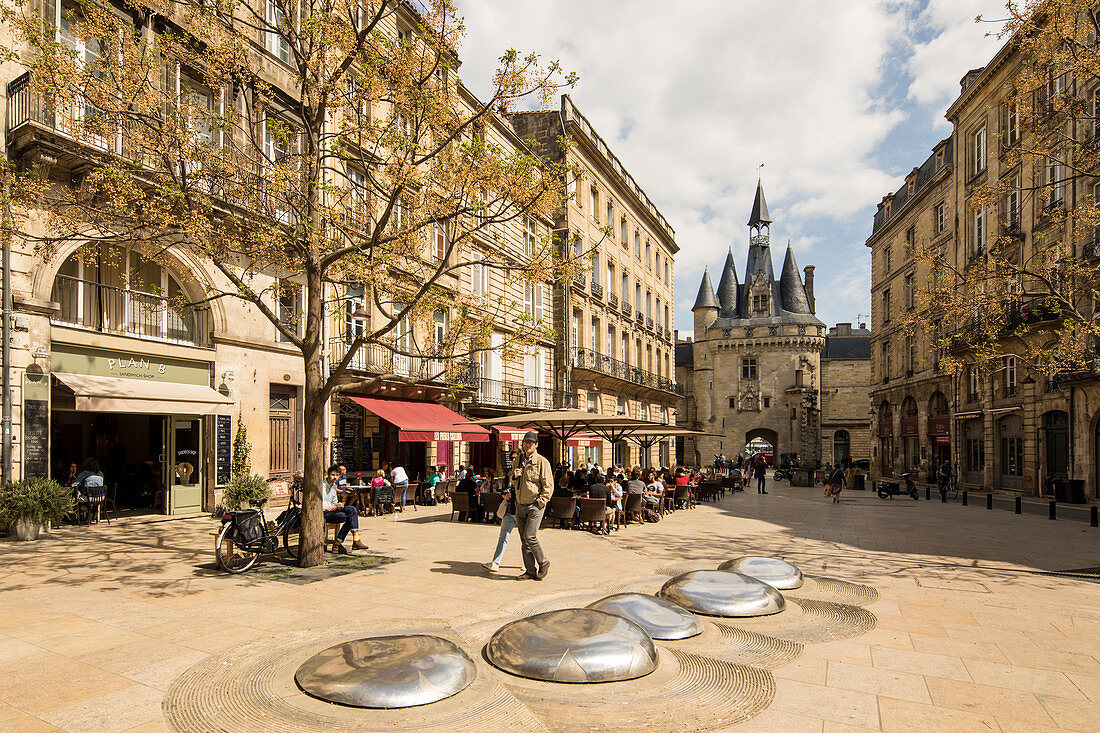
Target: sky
{"type": "Point", "coordinates": [838, 99]}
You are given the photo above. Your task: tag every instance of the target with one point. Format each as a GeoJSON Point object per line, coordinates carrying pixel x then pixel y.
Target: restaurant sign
{"type": "Point", "coordinates": [448, 436]}
{"type": "Point", "coordinates": [146, 366]}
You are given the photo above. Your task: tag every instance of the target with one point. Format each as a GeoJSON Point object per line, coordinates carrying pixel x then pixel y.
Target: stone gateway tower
{"type": "Point", "coordinates": [757, 354]}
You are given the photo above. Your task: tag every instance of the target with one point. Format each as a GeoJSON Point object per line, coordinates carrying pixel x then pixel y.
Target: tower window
{"type": "Point", "coordinates": [748, 367]}
{"type": "Point", "coordinates": [760, 303]}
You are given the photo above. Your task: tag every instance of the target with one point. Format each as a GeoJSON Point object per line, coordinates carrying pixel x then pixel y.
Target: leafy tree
{"type": "Point", "coordinates": [299, 148]}
{"type": "Point", "coordinates": [1030, 290]}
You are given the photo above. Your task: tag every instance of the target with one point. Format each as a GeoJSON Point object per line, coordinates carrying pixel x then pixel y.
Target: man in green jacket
{"type": "Point", "coordinates": [534, 480]}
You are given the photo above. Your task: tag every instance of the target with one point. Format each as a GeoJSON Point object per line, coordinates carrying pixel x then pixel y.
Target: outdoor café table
{"type": "Point", "coordinates": [358, 496]}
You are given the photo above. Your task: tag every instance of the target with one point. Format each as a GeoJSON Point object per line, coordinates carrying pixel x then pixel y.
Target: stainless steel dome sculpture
{"type": "Point", "coordinates": [387, 672]}
{"type": "Point", "coordinates": [576, 645]}
{"type": "Point", "coordinates": [658, 617]}
{"type": "Point", "coordinates": [721, 593]}
{"type": "Point", "coordinates": [779, 574]}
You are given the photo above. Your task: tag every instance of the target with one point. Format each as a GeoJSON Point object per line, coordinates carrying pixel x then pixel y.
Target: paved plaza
{"type": "Point", "coordinates": [914, 616]}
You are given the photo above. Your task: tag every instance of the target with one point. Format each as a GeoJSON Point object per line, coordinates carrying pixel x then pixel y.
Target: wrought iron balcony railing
{"type": "Point", "coordinates": [626, 308]}
{"type": "Point", "coordinates": [126, 312]}
{"type": "Point", "coordinates": [496, 393]}
{"type": "Point", "coordinates": [380, 359]}
{"type": "Point", "coordinates": [597, 290]}
{"type": "Point", "coordinates": [613, 300]}
{"type": "Point", "coordinates": [603, 364]}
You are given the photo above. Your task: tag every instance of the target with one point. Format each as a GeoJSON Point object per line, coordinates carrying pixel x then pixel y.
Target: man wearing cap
{"type": "Point", "coordinates": [534, 481]}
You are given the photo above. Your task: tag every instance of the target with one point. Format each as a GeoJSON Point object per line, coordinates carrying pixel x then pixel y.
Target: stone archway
{"type": "Point", "coordinates": [767, 435]}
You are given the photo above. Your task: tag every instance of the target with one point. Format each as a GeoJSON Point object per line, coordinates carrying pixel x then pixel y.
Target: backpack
{"type": "Point", "coordinates": [649, 515]}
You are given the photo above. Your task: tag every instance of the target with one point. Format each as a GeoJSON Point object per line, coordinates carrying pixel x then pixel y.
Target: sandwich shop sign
{"type": "Point", "coordinates": [148, 367]}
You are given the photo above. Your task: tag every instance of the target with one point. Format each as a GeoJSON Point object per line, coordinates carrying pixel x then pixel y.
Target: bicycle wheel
{"type": "Point", "coordinates": [292, 537]}
{"type": "Point", "coordinates": [231, 558]}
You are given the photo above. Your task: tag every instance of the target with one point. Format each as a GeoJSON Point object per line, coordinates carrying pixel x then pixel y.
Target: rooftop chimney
{"type": "Point", "coordinates": [809, 272]}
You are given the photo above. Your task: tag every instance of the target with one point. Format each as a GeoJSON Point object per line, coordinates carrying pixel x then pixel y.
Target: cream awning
{"type": "Point", "coordinates": [111, 394]}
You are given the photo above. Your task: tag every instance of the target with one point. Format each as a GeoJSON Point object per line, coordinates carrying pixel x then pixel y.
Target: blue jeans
{"type": "Point", "coordinates": [402, 487]}
{"type": "Point", "coordinates": [507, 524]}
{"type": "Point", "coordinates": [348, 515]}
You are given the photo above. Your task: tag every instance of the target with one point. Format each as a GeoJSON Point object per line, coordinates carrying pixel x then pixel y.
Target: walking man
{"type": "Point", "coordinates": [760, 471]}
{"type": "Point", "coordinates": [533, 479]}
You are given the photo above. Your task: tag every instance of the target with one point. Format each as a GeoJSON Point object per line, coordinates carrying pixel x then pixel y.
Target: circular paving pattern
{"type": "Point", "coordinates": [720, 593]}
{"type": "Point", "coordinates": [779, 574]}
{"type": "Point", "coordinates": [841, 591]}
{"type": "Point", "coordinates": [807, 620]}
{"type": "Point", "coordinates": [250, 689]}
{"type": "Point", "coordinates": [575, 645]}
{"type": "Point", "coordinates": [660, 618]}
{"type": "Point", "coordinates": [387, 672]}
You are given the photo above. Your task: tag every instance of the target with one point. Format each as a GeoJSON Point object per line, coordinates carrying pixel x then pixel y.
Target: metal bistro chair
{"type": "Point", "coordinates": [594, 512]}
{"type": "Point", "coordinates": [563, 509]}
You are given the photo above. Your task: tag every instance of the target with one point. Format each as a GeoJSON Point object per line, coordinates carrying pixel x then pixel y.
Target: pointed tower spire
{"type": "Point", "coordinates": [759, 215]}
{"type": "Point", "coordinates": [705, 298]}
{"type": "Point", "coordinates": [791, 291]}
{"type": "Point", "coordinates": [727, 288]}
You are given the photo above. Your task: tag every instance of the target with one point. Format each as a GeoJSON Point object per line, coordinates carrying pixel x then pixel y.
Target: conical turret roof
{"type": "Point", "coordinates": [792, 293]}
{"type": "Point", "coordinates": [727, 288]}
{"type": "Point", "coordinates": [705, 298]}
{"type": "Point", "coordinates": [759, 213]}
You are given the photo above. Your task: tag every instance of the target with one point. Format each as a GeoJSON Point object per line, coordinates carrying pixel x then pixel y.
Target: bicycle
{"type": "Point", "coordinates": [245, 534]}
{"type": "Point", "coordinates": [951, 490]}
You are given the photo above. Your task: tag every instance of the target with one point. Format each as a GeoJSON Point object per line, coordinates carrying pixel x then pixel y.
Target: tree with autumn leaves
{"type": "Point", "coordinates": [1026, 285]}
{"type": "Point", "coordinates": [301, 148]}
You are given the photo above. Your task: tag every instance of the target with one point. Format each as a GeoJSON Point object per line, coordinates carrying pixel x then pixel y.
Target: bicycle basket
{"type": "Point", "coordinates": [246, 524]}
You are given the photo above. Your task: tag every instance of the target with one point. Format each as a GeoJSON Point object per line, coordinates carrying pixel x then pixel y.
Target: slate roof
{"type": "Point", "coordinates": [925, 174]}
{"type": "Point", "coordinates": [705, 298]}
{"type": "Point", "coordinates": [685, 354]}
{"type": "Point", "coordinates": [847, 347]}
{"type": "Point", "coordinates": [759, 213]}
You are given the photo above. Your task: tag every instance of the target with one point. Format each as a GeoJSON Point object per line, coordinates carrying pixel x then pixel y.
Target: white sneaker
{"type": "Point", "coordinates": [492, 567]}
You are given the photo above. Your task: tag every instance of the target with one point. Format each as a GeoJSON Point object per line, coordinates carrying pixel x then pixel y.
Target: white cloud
{"type": "Point", "coordinates": [694, 96]}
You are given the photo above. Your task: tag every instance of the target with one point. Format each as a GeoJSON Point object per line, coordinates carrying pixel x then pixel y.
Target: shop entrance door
{"type": "Point", "coordinates": [184, 464]}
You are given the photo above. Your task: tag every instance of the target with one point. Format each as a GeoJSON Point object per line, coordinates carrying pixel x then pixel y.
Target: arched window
{"type": "Point", "coordinates": [886, 411]}
{"type": "Point", "coordinates": [909, 407]}
{"type": "Point", "coordinates": [119, 290]}
{"type": "Point", "coordinates": [937, 405]}
{"type": "Point", "coordinates": [842, 446]}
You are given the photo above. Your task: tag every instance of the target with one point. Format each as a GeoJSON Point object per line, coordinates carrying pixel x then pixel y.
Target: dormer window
{"type": "Point", "coordinates": [760, 303]}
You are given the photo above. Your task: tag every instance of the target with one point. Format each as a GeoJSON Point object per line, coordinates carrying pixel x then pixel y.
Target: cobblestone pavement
{"type": "Point", "coordinates": [915, 616]}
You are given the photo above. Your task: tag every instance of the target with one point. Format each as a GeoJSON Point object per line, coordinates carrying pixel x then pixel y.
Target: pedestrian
{"type": "Point", "coordinates": [760, 471]}
{"type": "Point", "coordinates": [532, 477]}
{"type": "Point", "coordinates": [507, 524]}
{"type": "Point", "coordinates": [836, 483]}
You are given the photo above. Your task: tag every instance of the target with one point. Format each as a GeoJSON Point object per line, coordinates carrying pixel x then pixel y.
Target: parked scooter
{"type": "Point", "coordinates": [890, 489]}
{"type": "Point", "coordinates": [783, 474]}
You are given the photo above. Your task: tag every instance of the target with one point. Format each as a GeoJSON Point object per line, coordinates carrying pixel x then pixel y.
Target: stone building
{"type": "Point", "coordinates": [615, 343]}
{"type": "Point", "coordinates": [845, 380]}
{"type": "Point", "coordinates": [909, 390]}
{"type": "Point", "coordinates": [1005, 429]}
{"type": "Point", "coordinates": [756, 355]}
{"type": "Point", "coordinates": [106, 363]}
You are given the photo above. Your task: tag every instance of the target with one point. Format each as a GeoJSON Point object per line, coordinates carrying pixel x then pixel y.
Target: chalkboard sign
{"type": "Point", "coordinates": [376, 442]}
{"type": "Point", "coordinates": [367, 462]}
{"type": "Point", "coordinates": [36, 434]}
{"type": "Point", "coordinates": [223, 450]}
{"type": "Point", "coordinates": [343, 452]}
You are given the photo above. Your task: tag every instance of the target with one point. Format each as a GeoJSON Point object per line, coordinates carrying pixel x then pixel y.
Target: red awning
{"type": "Point", "coordinates": [423, 421]}
{"type": "Point", "coordinates": [583, 440]}
{"type": "Point", "coordinates": [510, 434]}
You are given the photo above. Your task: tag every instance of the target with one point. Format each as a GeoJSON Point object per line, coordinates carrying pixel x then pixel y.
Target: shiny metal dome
{"type": "Point", "coordinates": [721, 593]}
{"type": "Point", "coordinates": [777, 573]}
{"type": "Point", "coordinates": [387, 672]}
{"type": "Point", "coordinates": [573, 645]}
{"type": "Point", "coordinates": [658, 617]}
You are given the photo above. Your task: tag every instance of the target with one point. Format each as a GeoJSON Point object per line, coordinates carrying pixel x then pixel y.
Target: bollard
{"type": "Point", "coordinates": [964, 498]}
{"type": "Point", "coordinates": [943, 497]}
{"type": "Point", "coordinates": [928, 493]}
{"type": "Point", "coordinates": [989, 501]}
{"type": "Point", "coordinates": [1019, 505]}
{"type": "Point", "coordinates": [1094, 517]}
{"type": "Point", "coordinates": [1053, 504]}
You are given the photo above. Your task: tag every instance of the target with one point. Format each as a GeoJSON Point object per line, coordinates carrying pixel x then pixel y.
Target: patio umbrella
{"type": "Point", "coordinates": [564, 424]}
{"type": "Point", "coordinates": [647, 436]}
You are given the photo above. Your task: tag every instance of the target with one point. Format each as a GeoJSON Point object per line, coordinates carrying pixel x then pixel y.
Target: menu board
{"type": "Point", "coordinates": [36, 435]}
{"type": "Point", "coordinates": [376, 442]}
{"type": "Point", "coordinates": [343, 452]}
{"type": "Point", "coordinates": [223, 450]}
{"type": "Point", "coordinates": [367, 463]}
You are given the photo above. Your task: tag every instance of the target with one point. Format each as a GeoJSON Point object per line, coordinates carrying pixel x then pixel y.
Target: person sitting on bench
{"type": "Point", "coordinates": [336, 512]}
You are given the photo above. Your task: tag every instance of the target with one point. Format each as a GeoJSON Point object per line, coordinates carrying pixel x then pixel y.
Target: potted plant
{"type": "Point", "coordinates": [242, 488]}
{"type": "Point", "coordinates": [28, 504]}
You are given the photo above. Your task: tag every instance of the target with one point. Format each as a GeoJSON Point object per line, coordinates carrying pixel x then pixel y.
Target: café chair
{"type": "Point", "coordinates": [563, 509]}
{"type": "Point", "coordinates": [632, 505]}
{"type": "Point", "coordinates": [594, 514]}
{"type": "Point", "coordinates": [490, 505]}
{"type": "Point", "coordinates": [460, 502]}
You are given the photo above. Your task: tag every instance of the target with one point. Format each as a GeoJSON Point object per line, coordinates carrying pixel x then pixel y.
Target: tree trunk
{"type": "Point", "coordinates": [313, 522]}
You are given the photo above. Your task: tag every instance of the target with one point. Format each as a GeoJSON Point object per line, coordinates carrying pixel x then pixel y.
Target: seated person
{"type": "Point", "coordinates": [562, 489]}
{"type": "Point", "coordinates": [635, 486]}
{"type": "Point", "coordinates": [336, 512]}
{"type": "Point", "coordinates": [468, 485]}
{"type": "Point", "coordinates": [682, 479]}
{"type": "Point", "coordinates": [600, 490]}
{"type": "Point", "coordinates": [381, 491]}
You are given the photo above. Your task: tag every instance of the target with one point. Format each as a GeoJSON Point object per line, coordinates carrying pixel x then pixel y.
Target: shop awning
{"type": "Point", "coordinates": [510, 434]}
{"type": "Point", "coordinates": [112, 394]}
{"type": "Point", "coordinates": [423, 421]}
{"type": "Point", "coordinates": [583, 440]}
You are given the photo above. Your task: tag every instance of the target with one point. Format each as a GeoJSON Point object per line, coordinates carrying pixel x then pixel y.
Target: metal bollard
{"type": "Point", "coordinates": [1094, 517]}
{"type": "Point", "coordinates": [1019, 505]}
{"type": "Point", "coordinates": [928, 493]}
{"type": "Point", "coordinates": [989, 501]}
{"type": "Point", "coordinates": [964, 498]}
{"type": "Point", "coordinates": [943, 497]}
{"type": "Point", "coordinates": [1053, 510]}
